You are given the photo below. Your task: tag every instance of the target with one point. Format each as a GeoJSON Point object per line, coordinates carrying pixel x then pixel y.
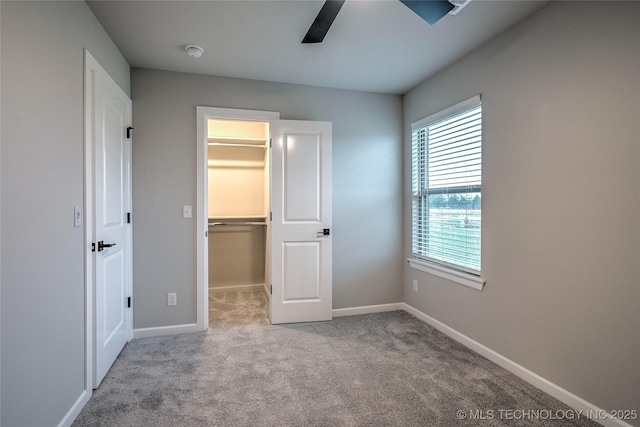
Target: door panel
{"type": "Point", "coordinates": [113, 154]}
{"type": "Point", "coordinates": [114, 274]}
{"type": "Point", "coordinates": [300, 264]}
{"type": "Point", "coordinates": [301, 276]}
{"type": "Point", "coordinates": [302, 162]}
{"type": "Point", "coordinates": [112, 200]}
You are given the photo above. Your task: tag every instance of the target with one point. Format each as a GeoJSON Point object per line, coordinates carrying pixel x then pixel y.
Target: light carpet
{"type": "Point", "coordinates": [385, 369]}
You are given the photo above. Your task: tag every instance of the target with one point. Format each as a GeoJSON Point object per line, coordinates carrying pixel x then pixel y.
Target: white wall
{"type": "Point", "coordinates": [42, 268]}
{"type": "Point", "coordinates": [561, 205]}
{"type": "Point", "coordinates": [367, 185]}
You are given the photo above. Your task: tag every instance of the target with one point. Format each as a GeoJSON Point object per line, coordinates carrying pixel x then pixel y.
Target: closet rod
{"type": "Point", "coordinates": [217, 224]}
{"type": "Point", "coordinates": [223, 144]}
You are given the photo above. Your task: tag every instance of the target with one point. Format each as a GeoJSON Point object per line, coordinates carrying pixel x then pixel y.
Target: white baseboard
{"type": "Point", "coordinates": [532, 378]}
{"type": "Point", "coordinates": [219, 288]}
{"type": "Point", "coordinates": [165, 330]}
{"type": "Point", "coordinates": [73, 413]}
{"type": "Point", "coordinates": [367, 309]}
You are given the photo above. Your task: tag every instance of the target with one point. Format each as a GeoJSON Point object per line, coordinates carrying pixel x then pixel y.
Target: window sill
{"type": "Point", "coordinates": [465, 279]}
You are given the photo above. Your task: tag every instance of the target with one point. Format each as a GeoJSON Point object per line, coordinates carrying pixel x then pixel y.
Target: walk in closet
{"type": "Point", "coordinates": [238, 203]}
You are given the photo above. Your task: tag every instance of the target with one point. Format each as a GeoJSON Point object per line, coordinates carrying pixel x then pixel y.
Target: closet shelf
{"type": "Point", "coordinates": [237, 142]}
{"type": "Point", "coordinates": [235, 223]}
{"type": "Point", "coordinates": [231, 221]}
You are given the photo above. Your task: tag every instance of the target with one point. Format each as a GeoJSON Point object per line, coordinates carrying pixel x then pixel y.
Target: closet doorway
{"type": "Point", "coordinates": [264, 211]}
{"type": "Point", "coordinates": [238, 207]}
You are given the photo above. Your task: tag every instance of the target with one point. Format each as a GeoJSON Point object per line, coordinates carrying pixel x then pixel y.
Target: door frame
{"type": "Point", "coordinates": [91, 65]}
{"type": "Point", "coordinates": [202, 197]}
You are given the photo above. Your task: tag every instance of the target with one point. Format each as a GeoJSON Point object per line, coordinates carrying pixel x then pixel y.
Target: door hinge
{"type": "Point", "coordinates": [270, 142]}
{"type": "Point", "coordinates": [128, 217]}
{"type": "Point", "coordinates": [270, 216]}
{"type": "Point", "coordinates": [93, 247]}
{"type": "Point", "coordinates": [128, 302]}
{"type": "Point", "coordinates": [129, 129]}
{"type": "Point", "coordinates": [270, 289]}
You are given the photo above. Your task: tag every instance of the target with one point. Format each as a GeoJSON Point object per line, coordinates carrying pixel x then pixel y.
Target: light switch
{"type": "Point", "coordinates": [172, 299]}
{"type": "Point", "coordinates": [186, 211]}
{"type": "Point", "coordinates": [77, 216]}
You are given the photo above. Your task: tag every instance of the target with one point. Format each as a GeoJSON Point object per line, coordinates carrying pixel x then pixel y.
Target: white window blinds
{"type": "Point", "coordinates": [447, 186]}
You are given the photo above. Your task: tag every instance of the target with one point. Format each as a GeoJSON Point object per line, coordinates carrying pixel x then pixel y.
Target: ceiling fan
{"type": "Point", "coordinates": [429, 10]}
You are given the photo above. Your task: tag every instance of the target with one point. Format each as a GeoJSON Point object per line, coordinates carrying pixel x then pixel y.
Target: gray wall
{"type": "Point", "coordinates": [42, 179]}
{"type": "Point", "coordinates": [367, 185]}
{"type": "Point", "coordinates": [561, 210]}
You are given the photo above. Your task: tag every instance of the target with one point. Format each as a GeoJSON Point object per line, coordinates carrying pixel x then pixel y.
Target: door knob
{"type": "Point", "coordinates": [324, 232]}
{"type": "Point", "coordinates": [102, 245]}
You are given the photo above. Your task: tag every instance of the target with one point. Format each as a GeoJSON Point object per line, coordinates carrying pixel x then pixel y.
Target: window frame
{"type": "Point", "coordinates": [458, 273]}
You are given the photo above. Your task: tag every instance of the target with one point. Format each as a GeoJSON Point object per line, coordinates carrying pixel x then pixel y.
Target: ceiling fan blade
{"type": "Point", "coordinates": [429, 10]}
{"type": "Point", "coordinates": [323, 21]}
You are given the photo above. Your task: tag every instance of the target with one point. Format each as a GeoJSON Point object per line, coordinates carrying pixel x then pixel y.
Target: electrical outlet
{"type": "Point", "coordinates": [415, 286]}
{"type": "Point", "coordinates": [186, 211]}
{"type": "Point", "coordinates": [172, 299]}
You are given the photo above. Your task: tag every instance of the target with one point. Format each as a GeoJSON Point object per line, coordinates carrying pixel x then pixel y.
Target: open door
{"type": "Point", "coordinates": [301, 249]}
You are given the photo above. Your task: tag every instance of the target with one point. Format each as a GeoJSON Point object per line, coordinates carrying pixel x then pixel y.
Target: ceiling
{"type": "Point", "coordinates": [373, 45]}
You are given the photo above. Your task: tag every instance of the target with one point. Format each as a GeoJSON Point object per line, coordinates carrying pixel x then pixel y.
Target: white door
{"type": "Point", "coordinates": [112, 231]}
{"type": "Point", "coordinates": [301, 225]}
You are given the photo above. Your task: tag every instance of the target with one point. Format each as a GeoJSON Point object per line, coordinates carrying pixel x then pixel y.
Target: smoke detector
{"type": "Point", "coordinates": [194, 51]}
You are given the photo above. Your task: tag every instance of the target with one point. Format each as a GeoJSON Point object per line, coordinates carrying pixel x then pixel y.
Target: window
{"type": "Point", "coordinates": [447, 187]}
